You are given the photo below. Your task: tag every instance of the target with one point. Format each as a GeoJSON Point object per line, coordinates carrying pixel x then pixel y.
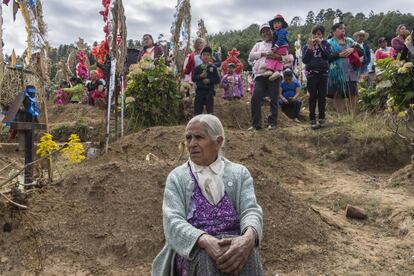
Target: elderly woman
{"type": "Point", "coordinates": [151, 50]}
{"type": "Point", "coordinates": [263, 87]}
{"type": "Point", "coordinates": [398, 42]}
{"type": "Point", "coordinates": [343, 74]}
{"type": "Point", "coordinates": [212, 222]}
{"type": "Point", "coordinates": [193, 59]}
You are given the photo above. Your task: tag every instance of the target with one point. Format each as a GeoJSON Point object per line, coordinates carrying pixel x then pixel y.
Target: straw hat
{"type": "Point", "coordinates": [362, 32]}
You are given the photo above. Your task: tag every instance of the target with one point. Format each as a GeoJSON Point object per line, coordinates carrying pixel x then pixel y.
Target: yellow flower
{"type": "Point", "coordinates": [74, 150]}
{"type": "Point", "coordinates": [47, 145]}
{"type": "Point", "coordinates": [402, 115]}
{"type": "Point", "coordinates": [402, 70]}
{"type": "Point", "coordinates": [167, 70]}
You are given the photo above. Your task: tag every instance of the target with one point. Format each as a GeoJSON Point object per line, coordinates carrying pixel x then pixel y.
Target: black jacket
{"type": "Point", "coordinates": [212, 75]}
{"type": "Point", "coordinates": [317, 59]}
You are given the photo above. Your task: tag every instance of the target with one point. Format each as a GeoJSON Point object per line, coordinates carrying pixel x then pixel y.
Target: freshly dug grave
{"type": "Point", "coordinates": [105, 217]}
{"type": "Point", "coordinates": [86, 121]}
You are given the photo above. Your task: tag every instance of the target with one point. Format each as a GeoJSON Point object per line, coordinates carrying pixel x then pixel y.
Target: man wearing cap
{"type": "Point", "coordinates": [263, 87]}
{"type": "Point", "coordinates": [361, 38]}
{"type": "Point", "coordinates": [205, 77]}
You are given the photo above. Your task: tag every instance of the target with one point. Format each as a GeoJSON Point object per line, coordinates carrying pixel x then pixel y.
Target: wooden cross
{"type": "Point", "coordinates": [19, 121]}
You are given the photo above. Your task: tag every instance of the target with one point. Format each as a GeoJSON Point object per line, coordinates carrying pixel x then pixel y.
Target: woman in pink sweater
{"type": "Point", "coordinates": [383, 51]}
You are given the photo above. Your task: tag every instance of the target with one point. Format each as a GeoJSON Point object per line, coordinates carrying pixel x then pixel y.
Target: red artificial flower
{"type": "Point", "coordinates": [232, 58]}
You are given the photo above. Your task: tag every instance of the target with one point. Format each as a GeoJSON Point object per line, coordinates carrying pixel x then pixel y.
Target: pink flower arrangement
{"type": "Point", "coordinates": [81, 68]}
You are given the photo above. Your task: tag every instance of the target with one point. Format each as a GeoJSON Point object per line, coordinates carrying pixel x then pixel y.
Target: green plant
{"type": "Point", "coordinates": [153, 97]}
{"type": "Point", "coordinates": [394, 88]}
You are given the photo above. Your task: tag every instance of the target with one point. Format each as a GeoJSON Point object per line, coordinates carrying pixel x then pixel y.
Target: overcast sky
{"type": "Point", "coordinates": [68, 20]}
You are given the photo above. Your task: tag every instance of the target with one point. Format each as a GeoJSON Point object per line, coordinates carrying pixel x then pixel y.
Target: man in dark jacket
{"type": "Point", "coordinates": [205, 77]}
{"type": "Point", "coordinates": [316, 56]}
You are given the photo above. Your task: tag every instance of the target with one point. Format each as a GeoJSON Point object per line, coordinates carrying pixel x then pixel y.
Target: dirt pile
{"type": "Point", "coordinates": [86, 121]}
{"type": "Point", "coordinates": [403, 178]}
{"type": "Point", "coordinates": [106, 214]}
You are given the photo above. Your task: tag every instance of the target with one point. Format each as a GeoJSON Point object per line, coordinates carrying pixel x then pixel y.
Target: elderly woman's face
{"type": "Point", "coordinates": [266, 34]}
{"type": "Point", "coordinates": [203, 150]}
{"type": "Point", "coordinates": [199, 45]}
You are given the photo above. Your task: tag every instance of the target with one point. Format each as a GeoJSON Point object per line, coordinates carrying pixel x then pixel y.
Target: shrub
{"type": "Point", "coordinates": [152, 96]}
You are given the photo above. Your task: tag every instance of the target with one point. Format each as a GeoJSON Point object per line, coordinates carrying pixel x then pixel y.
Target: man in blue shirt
{"type": "Point", "coordinates": [289, 96]}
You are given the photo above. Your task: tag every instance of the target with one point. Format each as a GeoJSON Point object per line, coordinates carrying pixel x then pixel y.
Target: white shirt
{"type": "Point", "coordinates": [210, 180]}
{"type": "Point", "coordinates": [255, 57]}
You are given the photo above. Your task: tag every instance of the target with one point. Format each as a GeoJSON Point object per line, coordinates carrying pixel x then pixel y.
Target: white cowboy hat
{"type": "Point", "coordinates": [362, 32]}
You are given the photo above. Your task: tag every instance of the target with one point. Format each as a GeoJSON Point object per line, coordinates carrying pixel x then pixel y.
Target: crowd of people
{"type": "Point", "coordinates": [335, 63]}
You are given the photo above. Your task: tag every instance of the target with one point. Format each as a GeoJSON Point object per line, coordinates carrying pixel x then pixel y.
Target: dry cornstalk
{"type": "Point", "coordinates": [12, 202]}
{"type": "Point", "coordinates": [30, 164]}
{"type": "Point", "coordinates": [5, 168]}
{"type": "Point", "coordinates": [183, 17]}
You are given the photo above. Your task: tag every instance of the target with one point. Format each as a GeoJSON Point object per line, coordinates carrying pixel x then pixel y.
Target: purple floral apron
{"type": "Point", "coordinates": [215, 220]}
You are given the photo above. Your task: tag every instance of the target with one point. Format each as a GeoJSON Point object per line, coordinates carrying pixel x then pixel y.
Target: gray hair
{"type": "Point", "coordinates": [211, 124]}
{"type": "Point", "coordinates": [199, 39]}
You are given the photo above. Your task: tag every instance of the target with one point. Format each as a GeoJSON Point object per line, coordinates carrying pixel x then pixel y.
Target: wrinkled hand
{"type": "Point", "coordinates": [347, 52]}
{"type": "Point", "coordinates": [212, 246]}
{"type": "Point", "coordinates": [206, 81]}
{"type": "Point", "coordinates": [235, 258]}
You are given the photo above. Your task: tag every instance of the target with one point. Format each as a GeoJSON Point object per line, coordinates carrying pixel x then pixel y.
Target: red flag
{"type": "Point", "coordinates": [6, 2]}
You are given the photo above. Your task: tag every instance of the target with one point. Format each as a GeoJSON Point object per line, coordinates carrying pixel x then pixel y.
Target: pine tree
{"type": "Point", "coordinates": [338, 13]}
{"type": "Point", "coordinates": [371, 14]}
{"type": "Point", "coordinates": [319, 19]}
{"type": "Point", "coordinates": [310, 18]}
{"type": "Point", "coordinates": [329, 14]}
{"type": "Point", "coordinates": [296, 21]}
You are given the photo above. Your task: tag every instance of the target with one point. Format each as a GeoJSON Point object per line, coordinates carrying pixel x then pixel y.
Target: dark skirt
{"type": "Point", "coordinates": [204, 265]}
{"type": "Point", "coordinates": [350, 88]}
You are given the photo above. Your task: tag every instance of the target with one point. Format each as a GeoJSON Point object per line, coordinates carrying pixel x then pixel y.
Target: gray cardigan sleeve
{"type": "Point", "coordinates": [179, 234]}
{"type": "Point", "coordinates": [251, 214]}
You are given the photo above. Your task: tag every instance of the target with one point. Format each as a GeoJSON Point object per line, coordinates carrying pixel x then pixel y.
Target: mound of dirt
{"type": "Point", "coordinates": [337, 143]}
{"type": "Point", "coordinates": [73, 113]}
{"type": "Point", "coordinates": [403, 178]}
{"type": "Point", "coordinates": [105, 217]}
{"type": "Point", "coordinates": [86, 121]}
